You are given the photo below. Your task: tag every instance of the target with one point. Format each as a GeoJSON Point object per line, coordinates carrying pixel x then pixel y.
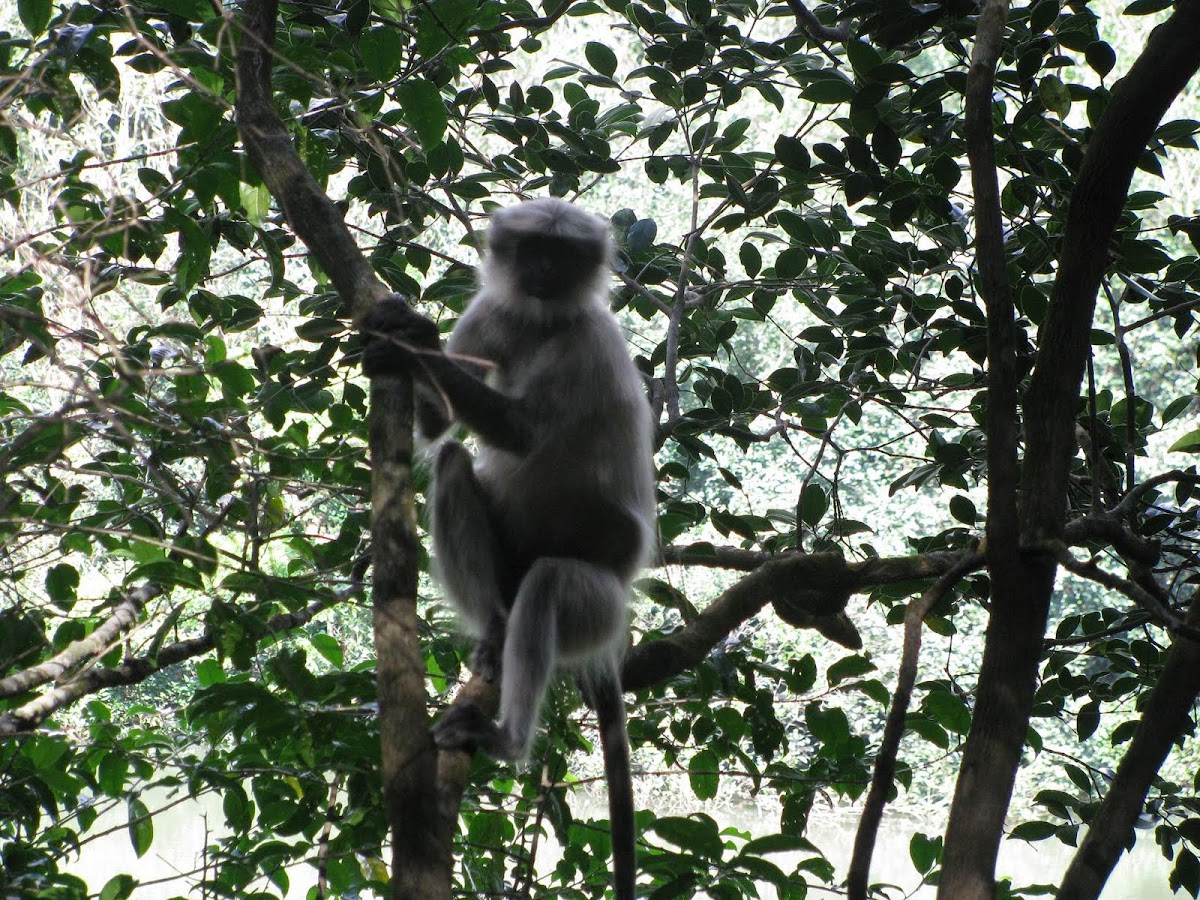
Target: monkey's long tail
{"type": "Point", "coordinates": [604, 695]}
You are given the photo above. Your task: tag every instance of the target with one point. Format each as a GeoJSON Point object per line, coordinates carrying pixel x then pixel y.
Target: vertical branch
{"type": "Point", "coordinates": [1094, 460]}
{"type": "Point", "coordinates": [993, 284]}
{"type": "Point", "coordinates": [421, 842]}
{"type": "Point", "coordinates": [421, 852]}
{"type": "Point", "coordinates": [1021, 604]}
{"type": "Point", "coordinates": [996, 735]}
{"type": "Point", "coordinates": [1130, 385]}
{"type": "Point", "coordinates": [883, 777]}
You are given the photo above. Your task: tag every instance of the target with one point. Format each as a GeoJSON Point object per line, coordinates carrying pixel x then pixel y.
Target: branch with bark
{"type": "Point", "coordinates": [95, 645]}
{"type": "Point", "coordinates": [1164, 718]}
{"type": "Point", "coordinates": [1021, 604]}
{"type": "Point", "coordinates": [883, 776]}
{"type": "Point", "coordinates": [798, 585]}
{"type": "Point", "coordinates": [137, 669]}
{"type": "Point", "coordinates": [421, 838]}
{"type": "Point", "coordinates": [815, 28]}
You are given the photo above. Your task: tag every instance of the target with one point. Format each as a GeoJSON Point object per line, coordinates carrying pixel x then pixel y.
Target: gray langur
{"type": "Point", "coordinates": [538, 538]}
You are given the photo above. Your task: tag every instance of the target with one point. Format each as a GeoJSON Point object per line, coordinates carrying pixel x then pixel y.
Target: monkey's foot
{"type": "Point", "coordinates": [453, 459]}
{"type": "Point", "coordinates": [485, 661]}
{"type": "Point", "coordinates": [467, 728]}
{"type": "Point", "coordinates": [487, 657]}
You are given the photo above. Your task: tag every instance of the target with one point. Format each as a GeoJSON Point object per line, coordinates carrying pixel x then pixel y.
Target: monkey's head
{"type": "Point", "coordinates": [550, 251]}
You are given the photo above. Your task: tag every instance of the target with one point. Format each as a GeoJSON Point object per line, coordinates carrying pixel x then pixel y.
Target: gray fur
{"type": "Point", "coordinates": [567, 365]}
{"type": "Point", "coordinates": [538, 540]}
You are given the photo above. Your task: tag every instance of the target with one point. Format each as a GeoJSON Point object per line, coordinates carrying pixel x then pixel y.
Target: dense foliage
{"type": "Point", "coordinates": [184, 512]}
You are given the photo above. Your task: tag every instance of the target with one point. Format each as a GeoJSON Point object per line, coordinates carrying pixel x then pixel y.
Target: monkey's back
{"type": "Point", "coordinates": [586, 487]}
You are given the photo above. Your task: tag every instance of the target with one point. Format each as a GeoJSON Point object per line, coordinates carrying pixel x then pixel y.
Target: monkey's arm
{"type": "Point", "coordinates": [400, 340]}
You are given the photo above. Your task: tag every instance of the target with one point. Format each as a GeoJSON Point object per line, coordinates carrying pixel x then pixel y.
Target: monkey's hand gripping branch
{"type": "Point", "coordinates": [401, 341]}
{"type": "Point", "coordinates": [395, 338]}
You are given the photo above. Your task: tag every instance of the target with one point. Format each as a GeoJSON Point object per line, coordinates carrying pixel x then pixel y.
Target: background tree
{"type": "Point", "coordinates": [850, 350]}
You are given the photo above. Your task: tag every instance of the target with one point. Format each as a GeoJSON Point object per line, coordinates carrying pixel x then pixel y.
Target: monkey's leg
{"type": "Point", "coordinates": [565, 611]}
{"type": "Point", "coordinates": [468, 554]}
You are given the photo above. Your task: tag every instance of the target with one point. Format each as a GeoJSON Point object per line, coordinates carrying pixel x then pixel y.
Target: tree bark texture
{"type": "Point", "coordinates": [1021, 600]}
{"type": "Point", "coordinates": [422, 856]}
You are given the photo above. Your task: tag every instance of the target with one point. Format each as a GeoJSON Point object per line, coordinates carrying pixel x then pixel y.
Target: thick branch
{"type": "Point", "coordinates": [309, 212]}
{"type": "Point", "coordinates": [421, 851]}
{"type": "Point", "coordinates": [1144, 598]}
{"type": "Point", "coordinates": [815, 28]}
{"type": "Point", "coordinates": [1020, 606]}
{"type": "Point", "coordinates": [817, 584]}
{"type": "Point", "coordinates": [132, 671]}
{"type": "Point", "coordinates": [422, 858]}
{"type": "Point", "coordinates": [89, 648]}
{"type": "Point", "coordinates": [992, 279]}
{"type": "Point", "coordinates": [711, 556]}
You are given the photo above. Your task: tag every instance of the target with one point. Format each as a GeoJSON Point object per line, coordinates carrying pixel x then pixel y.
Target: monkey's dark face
{"type": "Point", "coordinates": [553, 268]}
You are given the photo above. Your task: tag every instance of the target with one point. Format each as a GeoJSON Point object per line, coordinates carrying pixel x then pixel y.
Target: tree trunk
{"type": "Point", "coordinates": [1022, 587]}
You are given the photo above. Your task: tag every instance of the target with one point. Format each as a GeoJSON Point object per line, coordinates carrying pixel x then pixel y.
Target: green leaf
{"type": "Point", "coordinates": [948, 710]}
{"type": "Point", "coordinates": [828, 724]}
{"type": "Point", "coordinates": [1043, 15]}
{"type": "Point", "coordinates": [696, 834]}
{"type": "Point", "coordinates": [792, 153]}
{"type": "Point", "coordinates": [830, 88]}
{"type": "Point", "coordinates": [382, 49]}
{"type": "Point", "coordinates": [358, 15]}
{"type": "Point", "coordinates": [62, 581]}
{"type": "Point", "coordinates": [886, 146]}
{"type": "Point", "coordinates": [704, 775]}
{"type": "Point", "coordinates": [1087, 720]}
{"type": "Point", "coordinates": [1033, 831]}
{"type": "Point", "coordinates": [962, 509]}
{"type": "Point", "coordinates": [778, 843]}
{"type": "Point", "coordinates": [814, 503]}
{"type": "Point", "coordinates": [118, 887]}
{"type": "Point", "coordinates": [443, 22]}
{"type": "Point", "coordinates": [1186, 874]}
{"type": "Point", "coordinates": [1101, 57]}
{"type": "Point", "coordinates": [1189, 443]}
{"type": "Point", "coordinates": [1176, 408]}
{"type": "Point", "coordinates": [641, 235]}
{"type": "Point", "coordinates": [1147, 7]}
{"type": "Point", "coordinates": [35, 15]}
{"type": "Point", "coordinates": [601, 58]}
{"type": "Point", "coordinates": [256, 200]}
{"type": "Point", "coordinates": [850, 667]}
{"type": "Point", "coordinates": [111, 772]}
{"type": "Point", "coordinates": [1055, 96]}
{"type": "Point", "coordinates": [329, 647]}
{"type": "Point", "coordinates": [750, 258]}
{"type": "Point", "coordinates": [924, 852]}
{"type": "Point", "coordinates": [424, 109]}
{"type": "Point", "coordinates": [863, 57]}
{"type": "Point", "coordinates": [141, 826]}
